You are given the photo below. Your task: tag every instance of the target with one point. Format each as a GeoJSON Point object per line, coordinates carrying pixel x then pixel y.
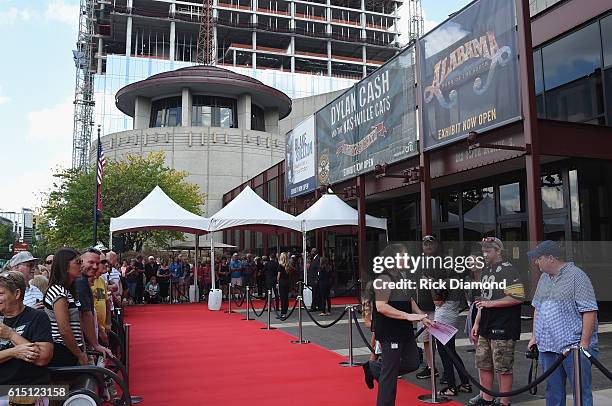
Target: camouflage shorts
{"type": "Point", "coordinates": [495, 354]}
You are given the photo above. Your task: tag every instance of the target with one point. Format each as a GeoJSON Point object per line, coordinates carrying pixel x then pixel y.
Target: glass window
{"type": "Point", "coordinates": [572, 57]}
{"type": "Point", "coordinates": [510, 199]}
{"type": "Point", "coordinates": [208, 111]}
{"type": "Point", "coordinates": [258, 122]}
{"type": "Point", "coordinates": [606, 34]}
{"type": "Point", "coordinates": [449, 207]}
{"type": "Point", "coordinates": [574, 204]}
{"type": "Point", "coordinates": [572, 77]}
{"type": "Point", "coordinates": [552, 192]}
{"type": "Point", "coordinates": [608, 80]}
{"type": "Point", "coordinates": [273, 192]}
{"type": "Point", "coordinates": [539, 82]}
{"type": "Point", "coordinates": [478, 208]}
{"type": "Point", "coordinates": [259, 191]}
{"type": "Point", "coordinates": [166, 112]}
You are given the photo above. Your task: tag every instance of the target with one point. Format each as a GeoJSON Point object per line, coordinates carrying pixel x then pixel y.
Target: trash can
{"type": "Point", "coordinates": [214, 299]}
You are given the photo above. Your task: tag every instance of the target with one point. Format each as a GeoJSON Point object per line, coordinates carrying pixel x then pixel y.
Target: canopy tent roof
{"type": "Point", "coordinates": [157, 211]}
{"type": "Point", "coordinates": [330, 211]}
{"type": "Point", "coordinates": [249, 210]}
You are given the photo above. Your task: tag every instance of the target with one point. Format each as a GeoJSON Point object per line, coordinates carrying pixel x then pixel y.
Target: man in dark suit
{"type": "Point", "coordinates": [313, 279]}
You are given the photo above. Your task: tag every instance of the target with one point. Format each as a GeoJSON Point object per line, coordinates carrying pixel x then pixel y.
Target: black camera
{"type": "Point", "coordinates": [532, 353]}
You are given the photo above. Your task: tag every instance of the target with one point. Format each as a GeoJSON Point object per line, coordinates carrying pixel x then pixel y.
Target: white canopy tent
{"type": "Point", "coordinates": [157, 211]}
{"type": "Point", "coordinates": [249, 210]}
{"type": "Point", "coordinates": [331, 211]}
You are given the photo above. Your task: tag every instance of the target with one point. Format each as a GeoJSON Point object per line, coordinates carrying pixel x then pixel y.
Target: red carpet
{"type": "Point", "coordinates": [188, 355]}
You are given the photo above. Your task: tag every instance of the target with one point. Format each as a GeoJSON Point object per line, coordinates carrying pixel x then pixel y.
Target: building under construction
{"type": "Point", "coordinates": [341, 38]}
{"type": "Point", "coordinates": [303, 48]}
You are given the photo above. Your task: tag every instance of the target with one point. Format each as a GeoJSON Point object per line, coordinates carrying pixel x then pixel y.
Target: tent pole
{"type": "Point", "coordinates": [195, 267]}
{"type": "Point", "coordinates": [212, 259]}
{"type": "Point", "coordinates": [304, 252]}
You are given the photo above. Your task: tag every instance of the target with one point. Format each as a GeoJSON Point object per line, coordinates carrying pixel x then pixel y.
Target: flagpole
{"type": "Point", "coordinates": [95, 200]}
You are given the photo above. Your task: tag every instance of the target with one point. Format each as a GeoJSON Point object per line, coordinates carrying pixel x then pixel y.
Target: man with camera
{"type": "Point", "coordinates": [565, 315]}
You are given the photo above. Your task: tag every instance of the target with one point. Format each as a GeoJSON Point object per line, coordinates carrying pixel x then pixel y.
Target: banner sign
{"type": "Point", "coordinates": [374, 122]}
{"type": "Point", "coordinates": [300, 159]}
{"type": "Point", "coordinates": [469, 73]}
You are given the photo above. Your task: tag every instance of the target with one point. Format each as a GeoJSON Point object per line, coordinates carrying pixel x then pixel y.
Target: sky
{"type": "Point", "coordinates": [37, 77]}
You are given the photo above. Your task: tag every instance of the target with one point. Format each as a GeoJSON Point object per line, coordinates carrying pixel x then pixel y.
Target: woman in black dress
{"type": "Point", "coordinates": [325, 280]}
{"type": "Point", "coordinates": [282, 278]}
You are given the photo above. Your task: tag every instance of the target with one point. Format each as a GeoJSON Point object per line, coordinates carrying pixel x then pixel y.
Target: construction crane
{"type": "Point", "coordinates": [206, 41]}
{"type": "Point", "coordinates": [83, 90]}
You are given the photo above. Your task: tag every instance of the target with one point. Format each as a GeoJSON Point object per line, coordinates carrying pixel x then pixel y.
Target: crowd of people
{"type": "Point", "coordinates": [56, 316]}
{"type": "Point", "coordinates": [565, 315]}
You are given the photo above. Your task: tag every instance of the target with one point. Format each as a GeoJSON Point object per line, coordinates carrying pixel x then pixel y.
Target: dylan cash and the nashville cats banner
{"type": "Point", "coordinates": [372, 123]}
{"type": "Point", "coordinates": [300, 159]}
{"type": "Point", "coordinates": [470, 73]}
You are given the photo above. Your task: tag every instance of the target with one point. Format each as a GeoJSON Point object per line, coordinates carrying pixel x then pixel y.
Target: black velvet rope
{"type": "Point", "coordinates": [288, 314]}
{"type": "Point", "coordinates": [262, 310]}
{"type": "Point", "coordinates": [598, 364]}
{"type": "Point", "coordinates": [361, 333]}
{"type": "Point", "coordinates": [459, 365]}
{"type": "Point", "coordinates": [324, 325]}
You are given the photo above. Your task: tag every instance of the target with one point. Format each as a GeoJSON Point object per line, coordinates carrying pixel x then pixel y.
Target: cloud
{"type": "Point", "coordinates": [51, 124]}
{"type": "Point", "coordinates": [13, 15]}
{"type": "Point", "coordinates": [62, 12]}
{"type": "Point", "coordinates": [3, 98]}
{"type": "Point", "coordinates": [404, 22]}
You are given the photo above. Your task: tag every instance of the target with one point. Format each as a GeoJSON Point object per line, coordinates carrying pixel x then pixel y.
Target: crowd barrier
{"type": "Point", "coordinates": [433, 397]}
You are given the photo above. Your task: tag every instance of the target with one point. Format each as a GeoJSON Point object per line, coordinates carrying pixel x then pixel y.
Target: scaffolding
{"type": "Point", "coordinates": [83, 91]}
{"type": "Point", "coordinates": [416, 21]}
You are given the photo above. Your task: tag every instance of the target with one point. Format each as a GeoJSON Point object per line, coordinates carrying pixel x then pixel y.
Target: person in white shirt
{"type": "Point", "coordinates": [25, 263]}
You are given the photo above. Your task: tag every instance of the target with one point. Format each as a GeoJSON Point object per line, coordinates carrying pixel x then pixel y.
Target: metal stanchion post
{"type": "Point", "coordinates": [433, 398]}
{"type": "Point", "coordinates": [126, 328]}
{"type": "Point", "coordinates": [300, 340]}
{"type": "Point", "coordinates": [269, 303]}
{"type": "Point", "coordinates": [248, 304]}
{"type": "Point", "coordinates": [229, 299]}
{"type": "Point", "coordinates": [577, 376]}
{"type": "Point", "coordinates": [350, 362]}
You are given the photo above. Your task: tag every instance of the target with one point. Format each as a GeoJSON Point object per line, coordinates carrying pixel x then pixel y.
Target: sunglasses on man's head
{"type": "Point", "coordinates": [488, 239]}
{"type": "Point", "coordinates": [94, 250]}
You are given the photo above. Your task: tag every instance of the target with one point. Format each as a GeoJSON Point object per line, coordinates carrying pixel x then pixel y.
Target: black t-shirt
{"type": "Point", "coordinates": [151, 270]}
{"type": "Point", "coordinates": [34, 326]}
{"type": "Point", "coordinates": [501, 323]}
{"type": "Point", "coordinates": [225, 276]}
{"type": "Point", "coordinates": [85, 294]}
{"type": "Point", "coordinates": [270, 271]}
{"type": "Point", "coordinates": [424, 296]}
{"type": "Point", "coordinates": [386, 328]}
{"type": "Point", "coordinates": [164, 272]}
{"type": "Point", "coordinates": [140, 268]}
{"type": "Point", "coordinates": [284, 275]}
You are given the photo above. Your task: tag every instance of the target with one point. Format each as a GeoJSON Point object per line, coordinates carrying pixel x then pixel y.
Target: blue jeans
{"type": "Point", "coordinates": [555, 384]}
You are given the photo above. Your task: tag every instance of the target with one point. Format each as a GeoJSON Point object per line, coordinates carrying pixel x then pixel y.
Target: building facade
{"type": "Point", "coordinates": [551, 183]}
{"type": "Point", "coordinates": [22, 223]}
{"type": "Point", "coordinates": [301, 48]}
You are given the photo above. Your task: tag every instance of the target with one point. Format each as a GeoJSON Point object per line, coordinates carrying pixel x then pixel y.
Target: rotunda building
{"type": "Point", "coordinates": [219, 126]}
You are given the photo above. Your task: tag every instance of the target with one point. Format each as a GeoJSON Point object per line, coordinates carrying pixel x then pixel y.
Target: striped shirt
{"type": "Point", "coordinates": [32, 295]}
{"type": "Point", "coordinates": [54, 293]}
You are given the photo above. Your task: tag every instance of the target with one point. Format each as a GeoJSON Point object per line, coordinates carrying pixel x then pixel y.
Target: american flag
{"type": "Point", "coordinates": [99, 174]}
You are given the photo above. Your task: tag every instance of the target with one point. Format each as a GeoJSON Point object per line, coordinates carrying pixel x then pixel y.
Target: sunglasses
{"type": "Point", "coordinates": [48, 262]}
{"type": "Point", "coordinates": [488, 239]}
{"type": "Point", "coordinates": [7, 275]}
{"type": "Point", "coordinates": [94, 250]}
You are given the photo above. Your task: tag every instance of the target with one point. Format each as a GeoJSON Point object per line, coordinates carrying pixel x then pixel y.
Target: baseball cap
{"type": "Point", "coordinates": [21, 257]}
{"type": "Point", "coordinates": [151, 257]}
{"type": "Point", "coordinates": [492, 242]}
{"type": "Point", "coordinates": [545, 248]}
{"type": "Point", "coordinates": [101, 248]}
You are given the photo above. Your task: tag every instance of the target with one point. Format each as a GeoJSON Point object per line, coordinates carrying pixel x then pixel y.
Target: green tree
{"type": "Point", "coordinates": [7, 237]}
{"type": "Point", "coordinates": [67, 215]}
